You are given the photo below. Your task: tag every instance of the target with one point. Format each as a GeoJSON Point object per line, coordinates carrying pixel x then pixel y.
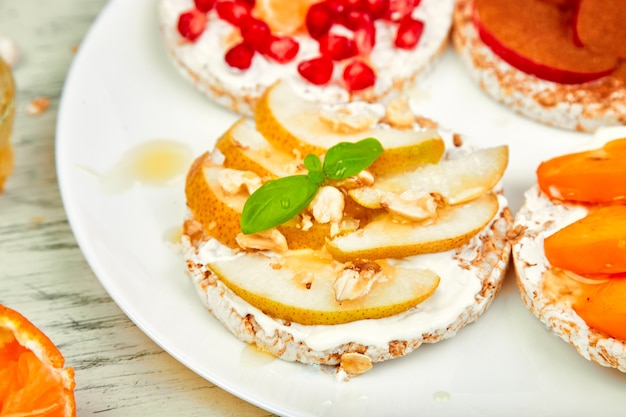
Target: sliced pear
{"type": "Point", "coordinates": [220, 213]}
{"type": "Point", "coordinates": [384, 237]}
{"type": "Point", "coordinates": [290, 122]}
{"type": "Point", "coordinates": [455, 180]}
{"type": "Point", "coordinates": [299, 288]}
{"type": "Point", "coordinates": [244, 148]}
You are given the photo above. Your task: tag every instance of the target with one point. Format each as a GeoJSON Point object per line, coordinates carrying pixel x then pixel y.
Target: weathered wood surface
{"type": "Point", "coordinates": [43, 274]}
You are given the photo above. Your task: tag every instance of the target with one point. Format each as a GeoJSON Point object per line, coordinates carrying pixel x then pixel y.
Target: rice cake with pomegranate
{"type": "Point", "coordinates": [202, 61]}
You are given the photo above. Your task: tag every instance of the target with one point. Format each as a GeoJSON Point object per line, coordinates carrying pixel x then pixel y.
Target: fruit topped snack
{"type": "Point", "coordinates": [560, 62]}
{"type": "Point", "coordinates": [344, 236]}
{"type": "Point", "coordinates": [333, 50]}
{"type": "Point", "coordinates": [570, 257]}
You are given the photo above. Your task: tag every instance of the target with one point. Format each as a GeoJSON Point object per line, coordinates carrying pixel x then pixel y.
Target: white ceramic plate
{"type": "Point", "coordinates": [122, 91]}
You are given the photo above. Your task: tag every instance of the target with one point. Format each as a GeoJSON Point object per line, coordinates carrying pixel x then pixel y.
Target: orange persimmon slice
{"type": "Point", "coordinates": [593, 245]}
{"type": "Point", "coordinates": [594, 176]}
{"type": "Point", "coordinates": [602, 307]}
{"type": "Point", "coordinates": [33, 381]}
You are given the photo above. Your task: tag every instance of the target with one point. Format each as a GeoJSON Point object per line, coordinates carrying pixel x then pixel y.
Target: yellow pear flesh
{"type": "Point", "coordinates": [291, 122]}
{"type": "Point", "coordinates": [385, 237]}
{"type": "Point", "coordinates": [455, 180]}
{"type": "Point", "coordinates": [299, 288]}
{"type": "Point", "coordinates": [218, 212]}
{"type": "Point", "coordinates": [244, 148]}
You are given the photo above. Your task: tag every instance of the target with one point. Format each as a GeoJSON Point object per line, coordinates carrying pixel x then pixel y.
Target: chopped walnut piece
{"type": "Point", "coordinates": [38, 106]}
{"type": "Point", "coordinates": [457, 140]}
{"type": "Point", "coordinates": [426, 122]}
{"type": "Point", "coordinates": [362, 179]}
{"type": "Point", "coordinates": [356, 279]}
{"type": "Point", "coordinates": [353, 363]}
{"type": "Point", "coordinates": [350, 118]}
{"type": "Point", "coordinates": [398, 113]}
{"type": "Point", "coordinates": [232, 181]}
{"type": "Point", "coordinates": [410, 205]}
{"type": "Point", "coordinates": [270, 239]}
{"type": "Point", "coordinates": [328, 205]}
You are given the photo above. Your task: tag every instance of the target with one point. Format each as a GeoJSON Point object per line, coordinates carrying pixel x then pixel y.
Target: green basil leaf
{"type": "Point", "coordinates": [314, 165]}
{"type": "Point", "coordinates": [276, 202]}
{"type": "Point", "coordinates": [347, 159]}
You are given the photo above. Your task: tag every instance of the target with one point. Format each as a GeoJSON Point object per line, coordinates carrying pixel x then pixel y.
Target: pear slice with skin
{"type": "Point", "coordinates": [290, 122]}
{"type": "Point", "coordinates": [385, 237]}
{"type": "Point", "coordinates": [244, 148]}
{"type": "Point", "coordinates": [220, 213]}
{"type": "Point", "coordinates": [454, 180]}
{"type": "Point", "coordinates": [299, 287]}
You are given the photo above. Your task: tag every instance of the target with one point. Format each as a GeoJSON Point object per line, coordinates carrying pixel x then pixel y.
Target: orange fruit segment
{"type": "Point", "coordinates": [33, 381]}
{"type": "Point", "coordinates": [602, 307]}
{"type": "Point", "coordinates": [284, 17]}
{"type": "Point", "coordinates": [592, 245]}
{"type": "Point", "coordinates": [595, 176]}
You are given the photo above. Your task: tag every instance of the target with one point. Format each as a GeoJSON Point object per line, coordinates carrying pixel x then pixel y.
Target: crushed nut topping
{"type": "Point", "coordinates": [328, 205]}
{"type": "Point", "coordinates": [362, 179]}
{"type": "Point", "coordinates": [350, 117]}
{"type": "Point", "coordinates": [354, 363]}
{"type": "Point", "coordinates": [410, 205]}
{"type": "Point", "coordinates": [232, 181]}
{"type": "Point", "coordinates": [270, 239]}
{"type": "Point", "coordinates": [398, 113]}
{"type": "Point", "coordinates": [304, 278]}
{"type": "Point", "coordinates": [38, 106]}
{"type": "Point", "coordinates": [356, 279]}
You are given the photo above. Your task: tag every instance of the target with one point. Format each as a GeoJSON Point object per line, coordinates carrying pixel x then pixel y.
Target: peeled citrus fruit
{"type": "Point", "coordinates": [33, 381]}
{"type": "Point", "coordinates": [594, 176]}
{"type": "Point", "coordinates": [593, 245]}
{"type": "Point", "coordinates": [284, 17]}
{"type": "Point", "coordinates": [602, 307]}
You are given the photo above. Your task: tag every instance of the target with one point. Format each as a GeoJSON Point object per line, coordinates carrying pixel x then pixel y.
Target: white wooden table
{"type": "Point", "coordinates": [43, 274]}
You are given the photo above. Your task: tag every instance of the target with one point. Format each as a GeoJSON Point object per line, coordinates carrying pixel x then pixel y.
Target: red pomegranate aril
{"type": "Point", "coordinates": [337, 47]}
{"type": "Point", "coordinates": [240, 56]}
{"type": "Point", "coordinates": [317, 71]}
{"type": "Point", "coordinates": [282, 49]}
{"type": "Point", "coordinates": [399, 8]}
{"type": "Point", "coordinates": [358, 76]}
{"type": "Point", "coordinates": [191, 24]}
{"type": "Point", "coordinates": [250, 3]}
{"type": "Point", "coordinates": [256, 33]}
{"type": "Point", "coordinates": [318, 20]}
{"type": "Point", "coordinates": [204, 5]}
{"type": "Point", "coordinates": [337, 8]}
{"type": "Point", "coordinates": [409, 32]}
{"type": "Point", "coordinates": [355, 19]}
{"type": "Point", "coordinates": [375, 8]}
{"type": "Point", "coordinates": [234, 12]}
{"type": "Point", "coordinates": [365, 38]}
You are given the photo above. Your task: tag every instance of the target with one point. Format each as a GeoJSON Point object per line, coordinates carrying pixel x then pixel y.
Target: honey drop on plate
{"type": "Point", "coordinates": [153, 163]}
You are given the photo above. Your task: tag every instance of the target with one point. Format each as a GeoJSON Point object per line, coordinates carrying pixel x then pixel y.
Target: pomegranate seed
{"type": "Point", "coordinates": [234, 12]}
{"type": "Point", "coordinates": [337, 47]}
{"type": "Point", "coordinates": [250, 3]}
{"type": "Point", "coordinates": [240, 56]}
{"type": "Point", "coordinates": [365, 37]}
{"type": "Point", "coordinates": [256, 33]}
{"type": "Point", "coordinates": [204, 5]}
{"type": "Point", "coordinates": [375, 8]}
{"type": "Point", "coordinates": [358, 76]}
{"type": "Point", "coordinates": [191, 24]}
{"type": "Point", "coordinates": [318, 20]}
{"type": "Point", "coordinates": [409, 32]}
{"type": "Point", "coordinates": [354, 19]}
{"type": "Point", "coordinates": [282, 49]}
{"type": "Point", "coordinates": [352, 4]}
{"type": "Point", "coordinates": [400, 8]}
{"type": "Point", "coordinates": [337, 8]}
{"type": "Point", "coordinates": [317, 71]}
